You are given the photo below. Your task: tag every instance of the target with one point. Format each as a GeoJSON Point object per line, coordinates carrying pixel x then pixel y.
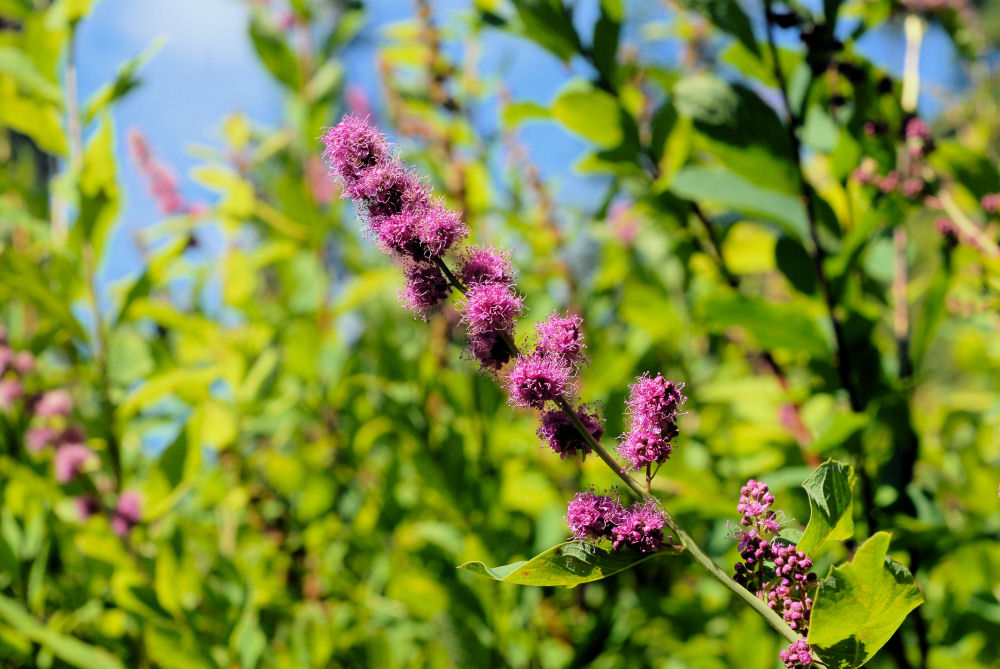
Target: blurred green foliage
{"type": "Point", "coordinates": [313, 463]}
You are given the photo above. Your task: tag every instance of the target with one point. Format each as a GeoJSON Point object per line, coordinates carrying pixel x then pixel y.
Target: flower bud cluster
{"type": "Point", "coordinates": [51, 428]}
{"type": "Point", "coordinates": [593, 517]}
{"type": "Point", "coordinates": [797, 654]}
{"type": "Point", "coordinates": [770, 567]}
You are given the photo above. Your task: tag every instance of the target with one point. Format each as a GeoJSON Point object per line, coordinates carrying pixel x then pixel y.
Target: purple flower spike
{"type": "Point", "coordinates": [643, 447]}
{"type": "Point", "coordinates": [653, 402]}
{"type": "Point", "coordinates": [535, 380]}
{"type": "Point", "coordinates": [441, 228]}
{"type": "Point", "coordinates": [70, 460]}
{"type": "Point", "coordinates": [563, 437]}
{"type": "Point", "coordinates": [592, 517]}
{"type": "Point", "coordinates": [24, 363]}
{"type": "Point", "coordinates": [352, 147]}
{"type": "Point", "coordinates": [388, 189]}
{"type": "Point", "coordinates": [400, 234]}
{"type": "Point", "coordinates": [6, 358]}
{"type": "Point", "coordinates": [797, 655]}
{"type": "Point", "coordinates": [641, 528]}
{"type": "Point", "coordinates": [562, 337]}
{"type": "Point", "coordinates": [426, 288]}
{"type": "Point", "coordinates": [491, 308]}
{"type": "Point", "coordinates": [127, 514]}
{"type": "Point", "coordinates": [485, 265]}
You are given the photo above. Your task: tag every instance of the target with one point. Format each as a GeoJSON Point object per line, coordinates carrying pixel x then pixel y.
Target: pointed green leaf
{"type": "Point", "coordinates": [70, 650]}
{"type": "Point", "coordinates": [830, 505]}
{"type": "Point", "coordinates": [590, 113]}
{"type": "Point", "coordinates": [728, 16]}
{"type": "Point", "coordinates": [567, 564]}
{"type": "Point", "coordinates": [860, 605]}
{"type": "Point", "coordinates": [772, 325]}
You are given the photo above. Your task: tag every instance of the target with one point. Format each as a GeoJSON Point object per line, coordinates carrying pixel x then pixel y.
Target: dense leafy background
{"type": "Point", "coordinates": [314, 463]}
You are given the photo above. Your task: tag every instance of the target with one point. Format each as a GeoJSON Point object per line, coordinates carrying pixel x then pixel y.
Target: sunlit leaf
{"type": "Point", "coordinates": [566, 564]}
{"type": "Point", "coordinates": [830, 505]}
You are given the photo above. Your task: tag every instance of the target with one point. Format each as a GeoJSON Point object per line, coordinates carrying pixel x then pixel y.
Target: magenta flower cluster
{"type": "Point", "coordinates": [771, 567]}
{"type": "Point", "coordinates": [400, 214]}
{"type": "Point", "coordinates": [50, 426]}
{"type": "Point", "coordinates": [652, 425]}
{"type": "Point", "coordinates": [593, 517]}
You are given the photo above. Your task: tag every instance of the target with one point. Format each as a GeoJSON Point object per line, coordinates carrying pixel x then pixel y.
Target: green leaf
{"type": "Point", "coordinates": [830, 505]}
{"type": "Point", "coordinates": [728, 16]}
{"type": "Point", "coordinates": [590, 113]}
{"type": "Point", "coordinates": [860, 605]}
{"type": "Point", "coordinates": [549, 23]}
{"type": "Point", "coordinates": [125, 80]}
{"type": "Point", "coordinates": [742, 131]}
{"type": "Point", "coordinates": [722, 187]}
{"type": "Point", "coordinates": [274, 52]}
{"type": "Point", "coordinates": [772, 325]}
{"type": "Point", "coordinates": [99, 194]}
{"type": "Point", "coordinates": [607, 31]}
{"type": "Point", "coordinates": [15, 63]}
{"type": "Point", "coordinates": [66, 648]}
{"type": "Point", "coordinates": [517, 112]}
{"type": "Point", "coordinates": [796, 264]}
{"type": "Point", "coordinates": [567, 564]}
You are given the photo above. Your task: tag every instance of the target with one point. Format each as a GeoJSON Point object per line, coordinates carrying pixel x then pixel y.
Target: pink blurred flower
{"type": "Point", "coordinates": [54, 403]}
{"type": "Point", "coordinates": [87, 506]}
{"type": "Point", "coordinates": [127, 514]}
{"type": "Point", "coordinates": [70, 460]}
{"type": "Point", "coordinates": [38, 438]}
{"type": "Point", "coordinates": [10, 391]}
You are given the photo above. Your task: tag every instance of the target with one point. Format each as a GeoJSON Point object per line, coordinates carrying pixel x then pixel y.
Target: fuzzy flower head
{"type": "Point", "coordinates": [426, 288]}
{"type": "Point", "coordinates": [592, 517]}
{"type": "Point", "coordinates": [561, 337]}
{"type": "Point", "coordinates": [490, 350]}
{"type": "Point", "coordinates": [352, 147]}
{"type": "Point", "coordinates": [127, 513]}
{"type": "Point", "coordinates": [485, 265]}
{"type": "Point", "coordinates": [491, 308]}
{"type": "Point", "coordinates": [388, 189]}
{"type": "Point", "coordinates": [990, 203]}
{"type": "Point", "coordinates": [755, 502]}
{"type": "Point", "coordinates": [440, 229]}
{"type": "Point", "coordinates": [559, 432]}
{"type": "Point", "coordinates": [797, 655]}
{"type": "Point", "coordinates": [641, 448]}
{"type": "Point", "coordinates": [640, 528]}
{"type": "Point", "coordinates": [399, 234]}
{"type": "Point", "coordinates": [653, 403]}
{"type": "Point", "coordinates": [24, 363]}
{"type": "Point", "coordinates": [537, 379]}
{"type": "Point", "coordinates": [70, 460]}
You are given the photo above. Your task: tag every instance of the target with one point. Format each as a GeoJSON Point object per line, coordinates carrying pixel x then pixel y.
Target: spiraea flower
{"type": "Point", "coordinates": [652, 423]}
{"type": "Point", "coordinates": [10, 391]}
{"type": "Point", "coordinates": [440, 229]}
{"type": "Point", "coordinates": [491, 308]}
{"type": "Point", "coordinates": [490, 349]}
{"type": "Point", "coordinates": [389, 189]}
{"type": "Point", "coordinates": [426, 288]}
{"type": "Point", "coordinates": [591, 517]}
{"type": "Point", "coordinates": [353, 147]}
{"type": "Point", "coordinates": [485, 265]}
{"type": "Point", "coordinates": [640, 528]}
{"type": "Point", "coordinates": [797, 655]}
{"type": "Point", "coordinates": [537, 379]}
{"type": "Point", "coordinates": [559, 432]}
{"type": "Point", "coordinates": [561, 337]}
